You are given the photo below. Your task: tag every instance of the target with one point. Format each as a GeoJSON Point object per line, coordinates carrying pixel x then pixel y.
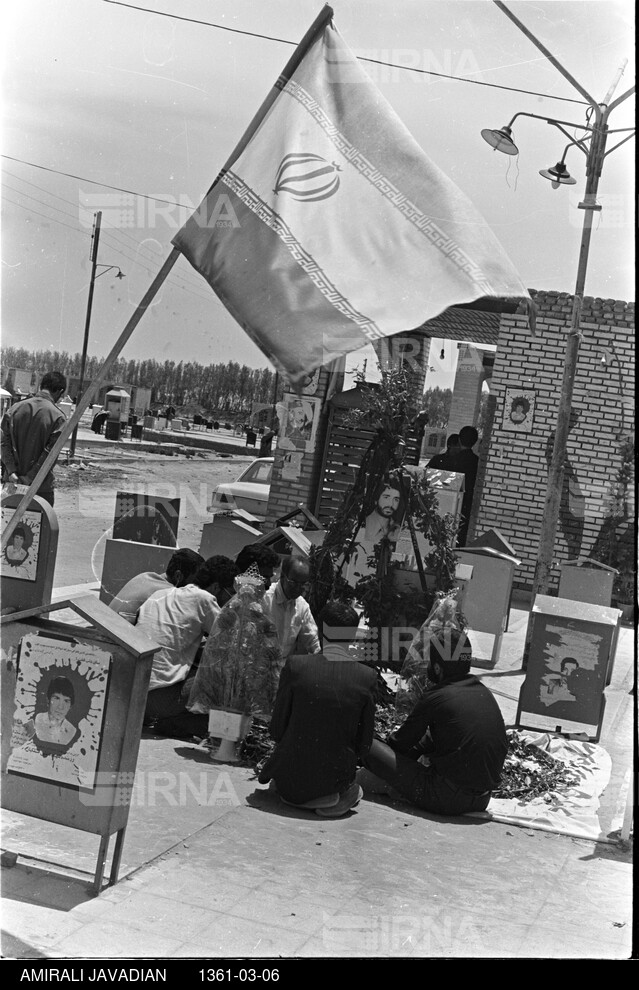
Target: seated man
{"type": "Point", "coordinates": [323, 720]}
{"type": "Point", "coordinates": [178, 619]}
{"type": "Point", "coordinates": [180, 568]}
{"type": "Point", "coordinates": [457, 725]}
{"type": "Point", "coordinates": [288, 610]}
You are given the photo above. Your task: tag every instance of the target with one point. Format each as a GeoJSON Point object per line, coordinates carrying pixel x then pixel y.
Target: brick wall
{"type": "Point", "coordinates": [286, 494]}
{"type": "Point", "coordinates": [513, 466]}
{"type": "Point", "coordinates": [464, 408]}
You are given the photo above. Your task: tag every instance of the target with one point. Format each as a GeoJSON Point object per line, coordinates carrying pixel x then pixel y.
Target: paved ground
{"type": "Point", "coordinates": [214, 866]}
{"type": "Point", "coordinates": [224, 441]}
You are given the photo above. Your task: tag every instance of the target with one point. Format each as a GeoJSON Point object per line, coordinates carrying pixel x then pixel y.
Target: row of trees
{"type": "Point", "coordinates": [223, 388]}
{"type": "Point", "coordinates": [226, 388]}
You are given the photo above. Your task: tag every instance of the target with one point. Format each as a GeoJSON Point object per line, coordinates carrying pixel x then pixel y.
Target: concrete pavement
{"type": "Point", "coordinates": [215, 867]}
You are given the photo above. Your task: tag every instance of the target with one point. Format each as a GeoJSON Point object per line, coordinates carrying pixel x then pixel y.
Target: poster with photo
{"type": "Point", "coordinates": [519, 410]}
{"type": "Point", "coordinates": [384, 515]}
{"type": "Point", "coordinates": [299, 423]}
{"type": "Point", "coordinates": [20, 556]}
{"type": "Point", "coordinates": [308, 384]}
{"type": "Point", "coordinates": [60, 700]}
{"type": "Point", "coordinates": [292, 465]}
{"type": "Point", "coordinates": [565, 676]}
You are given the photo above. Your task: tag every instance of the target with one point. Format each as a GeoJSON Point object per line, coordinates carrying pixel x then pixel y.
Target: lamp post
{"type": "Point", "coordinates": [593, 145]}
{"type": "Point", "coordinates": [95, 239]}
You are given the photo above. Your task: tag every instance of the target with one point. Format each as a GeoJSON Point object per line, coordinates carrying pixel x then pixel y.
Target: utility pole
{"type": "Point", "coordinates": [595, 155]}
{"type": "Point", "coordinates": [95, 241]}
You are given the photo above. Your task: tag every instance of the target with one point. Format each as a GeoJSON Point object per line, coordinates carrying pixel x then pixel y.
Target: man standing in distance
{"type": "Point", "coordinates": [465, 462]}
{"type": "Point", "coordinates": [29, 430]}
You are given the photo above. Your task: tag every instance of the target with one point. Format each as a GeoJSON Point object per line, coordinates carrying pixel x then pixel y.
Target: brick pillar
{"type": "Point", "coordinates": [287, 491]}
{"type": "Point", "coordinates": [464, 409]}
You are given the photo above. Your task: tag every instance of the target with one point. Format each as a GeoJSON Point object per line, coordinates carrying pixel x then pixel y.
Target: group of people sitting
{"type": "Point", "coordinates": [446, 757]}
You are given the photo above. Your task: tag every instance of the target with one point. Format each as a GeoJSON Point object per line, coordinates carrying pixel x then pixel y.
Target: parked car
{"type": "Point", "coordinates": [249, 492]}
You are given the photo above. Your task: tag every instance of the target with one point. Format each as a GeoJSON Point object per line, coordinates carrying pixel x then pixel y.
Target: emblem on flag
{"type": "Point", "coordinates": [311, 275]}
{"type": "Point", "coordinates": [307, 177]}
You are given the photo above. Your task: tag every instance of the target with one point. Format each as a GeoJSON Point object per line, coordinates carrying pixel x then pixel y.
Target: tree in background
{"type": "Point", "coordinates": [229, 388]}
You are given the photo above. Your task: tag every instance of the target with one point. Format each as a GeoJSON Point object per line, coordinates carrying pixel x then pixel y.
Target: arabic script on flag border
{"type": "Point", "coordinates": [332, 228]}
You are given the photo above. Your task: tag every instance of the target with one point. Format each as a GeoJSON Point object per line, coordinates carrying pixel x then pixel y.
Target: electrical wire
{"type": "Point", "coordinates": [208, 297]}
{"type": "Point", "coordinates": [392, 65]}
{"type": "Point", "coordinates": [94, 182]}
{"type": "Point", "coordinates": [194, 284]}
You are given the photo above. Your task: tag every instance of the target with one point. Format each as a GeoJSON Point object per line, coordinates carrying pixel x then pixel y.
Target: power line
{"type": "Point", "coordinates": [136, 261]}
{"type": "Point", "coordinates": [94, 182]}
{"type": "Point", "coordinates": [362, 58]}
{"type": "Point", "coordinates": [194, 284]}
{"type": "Point", "coordinates": [37, 213]}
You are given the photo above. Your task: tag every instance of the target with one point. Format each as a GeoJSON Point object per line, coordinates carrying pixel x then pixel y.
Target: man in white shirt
{"type": "Point", "coordinates": [179, 571]}
{"type": "Point", "coordinates": [177, 619]}
{"type": "Point", "coordinates": [289, 611]}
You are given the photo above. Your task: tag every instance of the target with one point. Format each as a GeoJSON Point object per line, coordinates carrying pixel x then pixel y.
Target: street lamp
{"type": "Point", "coordinates": [593, 144]}
{"type": "Point", "coordinates": [87, 323]}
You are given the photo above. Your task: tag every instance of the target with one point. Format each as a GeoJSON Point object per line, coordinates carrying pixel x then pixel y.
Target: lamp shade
{"type": "Point", "coordinates": [558, 175]}
{"type": "Point", "coordinates": [500, 139]}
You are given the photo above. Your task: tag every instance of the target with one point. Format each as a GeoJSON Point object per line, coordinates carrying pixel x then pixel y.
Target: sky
{"type": "Point", "coordinates": [153, 105]}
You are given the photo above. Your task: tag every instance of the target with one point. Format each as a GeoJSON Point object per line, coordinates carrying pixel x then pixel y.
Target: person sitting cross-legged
{"type": "Point", "coordinates": [448, 755]}
{"type": "Point", "coordinates": [323, 721]}
{"type": "Point", "coordinates": [178, 619]}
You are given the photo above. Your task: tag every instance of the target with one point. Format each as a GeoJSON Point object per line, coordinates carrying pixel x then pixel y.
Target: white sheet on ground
{"type": "Point", "coordinates": [569, 810]}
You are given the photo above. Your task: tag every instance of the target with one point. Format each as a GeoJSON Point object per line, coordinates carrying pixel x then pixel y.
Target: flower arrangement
{"type": "Point", "coordinates": [444, 615]}
{"type": "Point", "coordinates": [241, 661]}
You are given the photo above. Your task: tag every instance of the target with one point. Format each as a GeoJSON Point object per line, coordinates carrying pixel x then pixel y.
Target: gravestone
{"type": "Point", "coordinates": [228, 533]}
{"type": "Point", "coordinates": [144, 518]}
{"type": "Point", "coordinates": [487, 599]}
{"type": "Point", "coordinates": [28, 560]}
{"type": "Point", "coordinates": [80, 776]}
{"type": "Point", "coordinates": [124, 560]}
{"type": "Point", "coordinates": [570, 660]}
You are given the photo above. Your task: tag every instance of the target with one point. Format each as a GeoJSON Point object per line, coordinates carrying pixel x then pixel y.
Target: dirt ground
{"type": "Point", "coordinates": [85, 501]}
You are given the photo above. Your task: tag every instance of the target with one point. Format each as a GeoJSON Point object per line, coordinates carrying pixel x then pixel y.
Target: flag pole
{"type": "Point", "coordinates": [318, 25]}
{"type": "Point", "coordinates": [88, 396]}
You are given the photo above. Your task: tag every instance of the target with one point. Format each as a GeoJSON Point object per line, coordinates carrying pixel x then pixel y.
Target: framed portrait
{"type": "Point", "coordinates": [20, 556]}
{"type": "Point", "coordinates": [383, 519]}
{"type": "Point", "coordinates": [299, 423]}
{"type": "Point", "coordinates": [59, 704]}
{"type": "Point", "coordinates": [519, 410]}
{"type": "Point", "coordinates": [566, 674]}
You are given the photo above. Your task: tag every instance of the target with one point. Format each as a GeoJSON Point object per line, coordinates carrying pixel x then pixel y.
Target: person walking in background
{"type": "Point", "coordinates": [441, 461]}
{"type": "Point", "coordinates": [465, 461]}
{"type": "Point", "coordinates": [29, 430]}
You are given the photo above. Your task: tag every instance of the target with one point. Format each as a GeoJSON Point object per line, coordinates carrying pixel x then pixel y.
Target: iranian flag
{"type": "Point", "coordinates": [329, 227]}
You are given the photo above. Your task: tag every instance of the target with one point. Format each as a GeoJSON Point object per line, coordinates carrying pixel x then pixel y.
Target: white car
{"type": "Point", "coordinates": [249, 492]}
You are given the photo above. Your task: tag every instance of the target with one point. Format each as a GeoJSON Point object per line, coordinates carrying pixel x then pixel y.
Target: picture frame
{"type": "Point", "coordinates": [300, 419]}
{"type": "Point", "coordinates": [519, 410]}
